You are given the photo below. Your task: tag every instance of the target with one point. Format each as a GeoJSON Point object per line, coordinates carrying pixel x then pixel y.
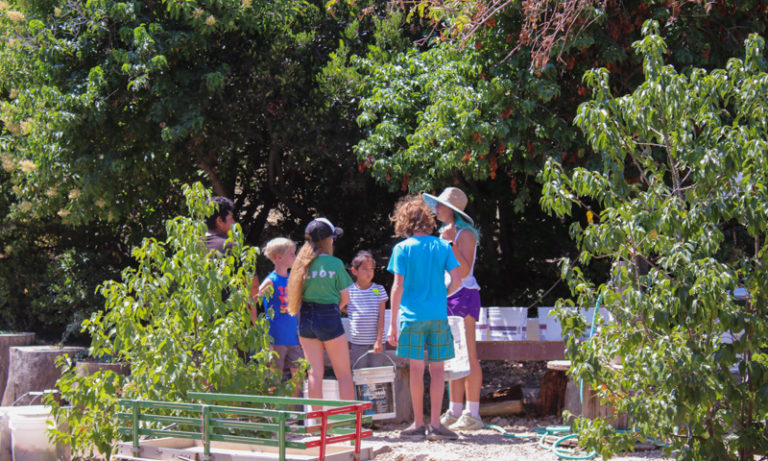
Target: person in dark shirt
{"type": "Point", "coordinates": [219, 224]}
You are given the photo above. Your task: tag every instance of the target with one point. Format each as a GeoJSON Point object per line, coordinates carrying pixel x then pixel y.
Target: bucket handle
{"type": "Point", "coordinates": [370, 351]}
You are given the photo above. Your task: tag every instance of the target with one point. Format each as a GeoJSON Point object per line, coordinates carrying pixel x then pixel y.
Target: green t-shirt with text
{"type": "Point", "coordinates": [326, 277]}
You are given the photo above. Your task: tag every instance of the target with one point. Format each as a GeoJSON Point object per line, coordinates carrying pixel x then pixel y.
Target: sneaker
{"type": "Point", "coordinates": [441, 433]}
{"type": "Point", "coordinates": [447, 419]}
{"type": "Point", "coordinates": [467, 422]}
{"type": "Point", "coordinates": [414, 433]}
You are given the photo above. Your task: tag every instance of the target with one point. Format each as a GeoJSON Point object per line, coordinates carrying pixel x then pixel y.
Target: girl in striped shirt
{"type": "Point", "coordinates": [367, 301]}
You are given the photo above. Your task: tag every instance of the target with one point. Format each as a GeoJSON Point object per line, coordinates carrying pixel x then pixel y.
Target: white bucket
{"type": "Point", "coordinates": [482, 329]}
{"type": "Point", "coordinates": [29, 438]}
{"type": "Point", "coordinates": [330, 391]}
{"type": "Point", "coordinates": [605, 314]}
{"type": "Point", "coordinates": [551, 330]}
{"type": "Point", "coordinates": [376, 385]}
{"type": "Point", "coordinates": [507, 323]}
{"type": "Point", "coordinates": [458, 366]}
{"type": "Point", "coordinates": [549, 327]}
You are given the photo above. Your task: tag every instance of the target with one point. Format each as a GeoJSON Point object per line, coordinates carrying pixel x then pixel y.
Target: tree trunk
{"type": "Point", "coordinates": [33, 368]}
{"type": "Point", "coordinates": [7, 341]}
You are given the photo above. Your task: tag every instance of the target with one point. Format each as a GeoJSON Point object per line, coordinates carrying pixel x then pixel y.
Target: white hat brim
{"type": "Point", "coordinates": [431, 201]}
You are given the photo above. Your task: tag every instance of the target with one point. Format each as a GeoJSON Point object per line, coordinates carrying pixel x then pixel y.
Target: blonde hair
{"type": "Point", "coordinates": [277, 246]}
{"type": "Point", "coordinates": [308, 252]}
{"type": "Point", "coordinates": [411, 216]}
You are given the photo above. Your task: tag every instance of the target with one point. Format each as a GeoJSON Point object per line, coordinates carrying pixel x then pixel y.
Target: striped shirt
{"type": "Point", "coordinates": [363, 313]}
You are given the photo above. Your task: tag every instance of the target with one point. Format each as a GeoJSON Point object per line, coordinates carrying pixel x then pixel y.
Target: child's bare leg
{"type": "Point", "coordinates": [338, 352]}
{"type": "Point", "coordinates": [436, 389]}
{"type": "Point", "coordinates": [313, 351]}
{"type": "Point", "coordinates": [416, 381]}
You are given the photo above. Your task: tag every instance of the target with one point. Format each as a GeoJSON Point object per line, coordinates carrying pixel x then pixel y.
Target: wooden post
{"type": "Point", "coordinates": [592, 408]}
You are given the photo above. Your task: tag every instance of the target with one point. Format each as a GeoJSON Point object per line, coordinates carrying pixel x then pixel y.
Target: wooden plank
{"type": "Point", "coordinates": [511, 407]}
{"type": "Point", "coordinates": [521, 350]}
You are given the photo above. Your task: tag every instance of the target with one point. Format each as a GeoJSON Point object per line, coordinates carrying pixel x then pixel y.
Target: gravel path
{"type": "Point", "coordinates": [477, 445]}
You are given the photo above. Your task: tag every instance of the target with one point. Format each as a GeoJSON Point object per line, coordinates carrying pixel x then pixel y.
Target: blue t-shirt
{"type": "Point", "coordinates": [422, 261]}
{"type": "Point", "coordinates": [282, 325]}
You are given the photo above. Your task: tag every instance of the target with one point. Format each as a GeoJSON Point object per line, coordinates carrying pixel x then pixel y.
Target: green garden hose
{"type": "Point", "coordinates": [567, 453]}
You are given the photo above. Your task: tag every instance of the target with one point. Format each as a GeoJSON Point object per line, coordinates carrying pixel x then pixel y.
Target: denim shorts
{"type": "Point", "coordinates": [320, 321]}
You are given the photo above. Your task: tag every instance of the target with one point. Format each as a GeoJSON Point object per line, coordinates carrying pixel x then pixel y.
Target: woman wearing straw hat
{"type": "Point", "coordinates": [458, 229]}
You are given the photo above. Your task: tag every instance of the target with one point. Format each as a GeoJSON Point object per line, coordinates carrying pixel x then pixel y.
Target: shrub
{"type": "Point", "coordinates": [168, 320]}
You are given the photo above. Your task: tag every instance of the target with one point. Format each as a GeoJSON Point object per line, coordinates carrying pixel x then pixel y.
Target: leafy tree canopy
{"type": "Point", "coordinates": [480, 114]}
{"type": "Point", "coordinates": [108, 106]}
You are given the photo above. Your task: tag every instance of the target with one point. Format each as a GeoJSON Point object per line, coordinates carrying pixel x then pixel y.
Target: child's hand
{"type": "Point", "coordinates": [377, 347]}
{"type": "Point", "coordinates": [266, 290]}
{"type": "Point", "coordinates": [254, 314]}
{"type": "Point", "coordinates": [392, 336]}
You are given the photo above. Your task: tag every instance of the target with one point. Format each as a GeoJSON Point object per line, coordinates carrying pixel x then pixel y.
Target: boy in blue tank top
{"type": "Point", "coordinates": [282, 325]}
{"type": "Point", "coordinates": [419, 293]}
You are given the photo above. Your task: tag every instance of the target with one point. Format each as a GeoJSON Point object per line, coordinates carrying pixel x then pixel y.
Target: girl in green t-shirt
{"type": "Point", "coordinates": [317, 283]}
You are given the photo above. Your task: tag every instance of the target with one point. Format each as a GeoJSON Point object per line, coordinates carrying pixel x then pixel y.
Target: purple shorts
{"type": "Point", "coordinates": [465, 302]}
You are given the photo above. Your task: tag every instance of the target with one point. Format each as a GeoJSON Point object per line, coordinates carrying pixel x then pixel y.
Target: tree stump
{"type": "Point", "coordinates": [552, 393]}
{"type": "Point", "coordinates": [572, 401]}
{"type": "Point", "coordinates": [33, 368]}
{"type": "Point", "coordinates": [8, 340]}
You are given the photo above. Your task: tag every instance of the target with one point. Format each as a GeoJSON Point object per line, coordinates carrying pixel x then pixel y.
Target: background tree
{"type": "Point", "coordinates": [481, 114]}
{"type": "Point", "coordinates": [108, 106]}
{"type": "Point", "coordinates": [693, 359]}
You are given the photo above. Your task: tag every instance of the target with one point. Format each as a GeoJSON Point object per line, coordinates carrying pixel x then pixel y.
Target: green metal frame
{"type": "Point", "coordinates": [206, 421]}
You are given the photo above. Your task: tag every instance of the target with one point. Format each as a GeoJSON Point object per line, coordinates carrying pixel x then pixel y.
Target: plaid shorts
{"type": "Point", "coordinates": [435, 335]}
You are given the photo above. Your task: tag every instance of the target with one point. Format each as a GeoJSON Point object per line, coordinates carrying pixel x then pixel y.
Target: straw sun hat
{"type": "Point", "coordinates": [452, 197]}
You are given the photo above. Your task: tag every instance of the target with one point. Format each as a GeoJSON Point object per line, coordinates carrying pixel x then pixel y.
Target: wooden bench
{"type": "Point", "coordinates": [521, 350]}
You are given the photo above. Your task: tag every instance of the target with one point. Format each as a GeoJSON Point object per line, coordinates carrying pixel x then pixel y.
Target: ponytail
{"type": "Point", "coordinates": [308, 252]}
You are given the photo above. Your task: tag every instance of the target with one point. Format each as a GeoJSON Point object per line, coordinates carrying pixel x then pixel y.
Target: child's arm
{"type": "Point", "coordinates": [396, 296]}
{"type": "Point", "coordinates": [253, 292]}
{"type": "Point", "coordinates": [343, 298]}
{"type": "Point", "coordinates": [256, 293]}
{"type": "Point", "coordinates": [343, 303]}
{"type": "Point", "coordinates": [263, 288]}
{"type": "Point", "coordinates": [377, 346]}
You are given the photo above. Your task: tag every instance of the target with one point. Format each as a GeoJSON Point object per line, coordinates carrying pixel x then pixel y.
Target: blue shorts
{"type": "Point", "coordinates": [320, 321]}
{"type": "Point", "coordinates": [435, 335]}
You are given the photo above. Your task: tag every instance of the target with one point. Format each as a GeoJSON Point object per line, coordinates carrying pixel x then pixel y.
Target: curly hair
{"type": "Point", "coordinates": [412, 216]}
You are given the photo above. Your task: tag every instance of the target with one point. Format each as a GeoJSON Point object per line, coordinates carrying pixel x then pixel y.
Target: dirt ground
{"type": "Point", "coordinates": [488, 444]}
{"type": "Point", "coordinates": [477, 445]}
